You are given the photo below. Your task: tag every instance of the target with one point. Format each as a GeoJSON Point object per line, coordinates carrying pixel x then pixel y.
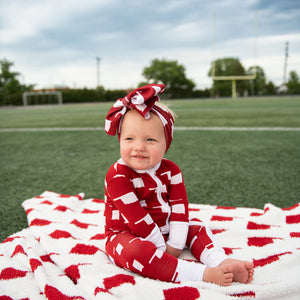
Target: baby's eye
{"type": "Point", "coordinates": [150, 139]}
{"type": "Point", "coordinates": [128, 138]}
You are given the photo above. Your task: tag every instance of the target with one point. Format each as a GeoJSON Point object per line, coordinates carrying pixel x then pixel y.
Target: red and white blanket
{"type": "Point", "coordinates": [61, 255]}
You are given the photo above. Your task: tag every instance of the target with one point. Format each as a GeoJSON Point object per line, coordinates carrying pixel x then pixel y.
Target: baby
{"type": "Point", "coordinates": [146, 206]}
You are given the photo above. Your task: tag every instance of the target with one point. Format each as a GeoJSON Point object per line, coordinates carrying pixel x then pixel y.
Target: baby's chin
{"type": "Point", "coordinates": [141, 164]}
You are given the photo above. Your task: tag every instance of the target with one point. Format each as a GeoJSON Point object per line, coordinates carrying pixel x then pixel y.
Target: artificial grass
{"type": "Point", "coordinates": [64, 162]}
{"type": "Point", "coordinates": [79, 115]}
{"type": "Point", "coordinates": [245, 112]}
{"type": "Point", "coordinates": [240, 168]}
{"type": "Point", "coordinates": [248, 112]}
{"type": "Point", "coordinates": [227, 168]}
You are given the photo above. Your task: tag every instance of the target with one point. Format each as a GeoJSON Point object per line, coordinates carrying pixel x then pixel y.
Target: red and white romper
{"type": "Point", "coordinates": [146, 209]}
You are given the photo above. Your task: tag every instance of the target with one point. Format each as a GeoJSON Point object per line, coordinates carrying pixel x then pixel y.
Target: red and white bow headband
{"type": "Point", "coordinates": [142, 100]}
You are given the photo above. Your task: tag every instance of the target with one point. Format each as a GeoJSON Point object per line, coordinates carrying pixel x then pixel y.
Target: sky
{"type": "Point", "coordinates": [57, 42]}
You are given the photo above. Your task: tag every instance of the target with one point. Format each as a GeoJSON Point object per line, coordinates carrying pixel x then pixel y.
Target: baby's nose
{"type": "Point", "coordinates": [139, 146]}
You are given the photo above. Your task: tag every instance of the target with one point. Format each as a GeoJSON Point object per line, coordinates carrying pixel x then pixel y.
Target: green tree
{"type": "Point", "coordinates": [270, 88]}
{"type": "Point", "coordinates": [10, 87]}
{"type": "Point", "coordinates": [228, 66]}
{"type": "Point", "coordinates": [172, 75]}
{"type": "Point", "coordinates": [257, 86]}
{"type": "Point", "coordinates": [293, 83]}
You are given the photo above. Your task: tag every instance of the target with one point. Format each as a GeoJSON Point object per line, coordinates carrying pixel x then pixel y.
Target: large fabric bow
{"type": "Point", "coordinates": [143, 100]}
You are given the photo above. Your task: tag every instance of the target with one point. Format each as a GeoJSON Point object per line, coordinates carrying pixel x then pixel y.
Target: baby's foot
{"type": "Point", "coordinates": [242, 270]}
{"type": "Point", "coordinates": [221, 275]}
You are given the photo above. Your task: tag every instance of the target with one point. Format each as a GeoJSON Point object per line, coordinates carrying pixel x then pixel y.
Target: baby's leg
{"type": "Point", "coordinates": [203, 244]}
{"type": "Point", "coordinates": [206, 249]}
{"type": "Point", "coordinates": [141, 256]}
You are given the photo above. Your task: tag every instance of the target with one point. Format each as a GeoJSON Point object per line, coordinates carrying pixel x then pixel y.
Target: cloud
{"type": "Point", "coordinates": [55, 42]}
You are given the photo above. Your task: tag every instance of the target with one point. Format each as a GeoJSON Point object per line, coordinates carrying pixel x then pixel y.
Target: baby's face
{"type": "Point", "coordinates": [142, 142]}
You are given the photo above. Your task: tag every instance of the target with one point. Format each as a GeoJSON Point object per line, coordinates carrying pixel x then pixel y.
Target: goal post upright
{"type": "Point", "coordinates": [233, 78]}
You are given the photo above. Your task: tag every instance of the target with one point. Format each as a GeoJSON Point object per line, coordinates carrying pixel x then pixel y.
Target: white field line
{"type": "Point", "coordinates": [241, 128]}
{"type": "Point", "coordinates": [176, 128]}
{"type": "Point", "coordinates": [50, 129]}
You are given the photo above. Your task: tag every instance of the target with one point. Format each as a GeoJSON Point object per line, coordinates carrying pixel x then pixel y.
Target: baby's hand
{"type": "Point", "coordinates": [173, 251]}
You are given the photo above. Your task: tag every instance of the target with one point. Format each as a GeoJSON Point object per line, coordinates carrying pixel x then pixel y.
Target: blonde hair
{"type": "Point", "coordinates": [167, 108]}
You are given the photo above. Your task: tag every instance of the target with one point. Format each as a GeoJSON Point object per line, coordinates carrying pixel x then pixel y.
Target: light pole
{"type": "Point", "coordinates": [285, 61]}
{"type": "Point", "coordinates": [98, 70]}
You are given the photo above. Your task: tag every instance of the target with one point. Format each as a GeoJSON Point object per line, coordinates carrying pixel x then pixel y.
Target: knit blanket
{"type": "Point", "coordinates": [61, 255]}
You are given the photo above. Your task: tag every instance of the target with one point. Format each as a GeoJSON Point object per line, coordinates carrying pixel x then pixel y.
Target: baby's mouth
{"type": "Point", "coordinates": [140, 156]}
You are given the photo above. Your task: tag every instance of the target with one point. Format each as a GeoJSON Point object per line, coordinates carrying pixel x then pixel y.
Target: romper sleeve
{"type": "Point", "coordinates": [179, 219]}
{"type": "Point", "coordinates": [121, 192]}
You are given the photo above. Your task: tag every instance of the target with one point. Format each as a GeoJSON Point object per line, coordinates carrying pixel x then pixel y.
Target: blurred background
{"type": "Point", "coordinates": [92, 49]}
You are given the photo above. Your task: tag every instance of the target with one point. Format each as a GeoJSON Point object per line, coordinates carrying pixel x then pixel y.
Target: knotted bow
{"type": "Point", "coordinates": [143, 101]}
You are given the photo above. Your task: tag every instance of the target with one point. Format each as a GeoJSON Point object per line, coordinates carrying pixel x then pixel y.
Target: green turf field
{"type": "Point", "coordinates": [256, 112]}
{"type": "Point", "coordinates": [232, 168]}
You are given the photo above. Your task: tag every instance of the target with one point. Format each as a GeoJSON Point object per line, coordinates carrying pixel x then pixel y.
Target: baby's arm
{"type": "Point", "coordinates": [177, 237]}
{"type": "Point", "coordinates": [179, 220]}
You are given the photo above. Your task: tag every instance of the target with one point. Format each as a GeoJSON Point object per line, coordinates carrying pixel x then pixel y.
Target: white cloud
{"type": "Point", "coordinates": [25, 19]}
{"type": "Point", "coordinates": [57, 41]}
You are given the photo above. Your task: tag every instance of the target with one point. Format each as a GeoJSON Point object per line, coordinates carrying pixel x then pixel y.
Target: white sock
{"type": "Point", "coordinates": [213, 257]}
{"type": "Point", "coordinates": [189, 271]}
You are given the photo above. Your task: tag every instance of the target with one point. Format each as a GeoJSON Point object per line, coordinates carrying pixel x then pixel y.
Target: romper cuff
{"type": "Point", "coordinates": [178, 234]}
{"type": "Point", "coordinates": [157, 238]}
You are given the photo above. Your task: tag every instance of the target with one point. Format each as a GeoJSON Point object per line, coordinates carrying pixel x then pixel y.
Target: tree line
{"type": "Point", "coordinates": [169, 72]}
